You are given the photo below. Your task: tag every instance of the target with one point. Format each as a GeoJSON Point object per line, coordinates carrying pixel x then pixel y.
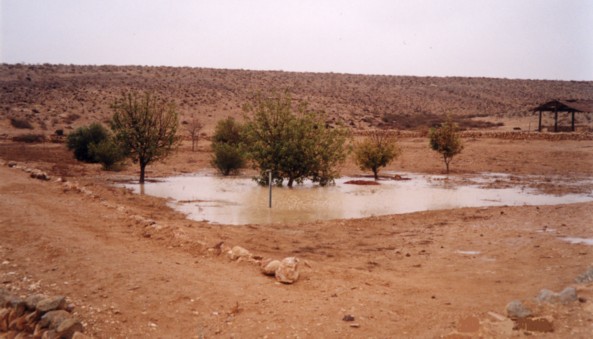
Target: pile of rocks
{"type": "Point", "coordinates": [33, 172]}
{"type": "Point", "coordinates": [37, 316]}
{"type": "Point", "coordinates": [285, 271]}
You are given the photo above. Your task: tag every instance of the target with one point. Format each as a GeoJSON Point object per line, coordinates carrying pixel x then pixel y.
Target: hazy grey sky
{"type": "Point", "coordinates": [535, 39]}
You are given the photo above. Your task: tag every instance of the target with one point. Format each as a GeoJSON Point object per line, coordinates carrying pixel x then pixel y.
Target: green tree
{"type": "Point", "coordinates": [292, 142]}
{"type": "Point", "coordinates": [109, 153]}
{"type": "Point", "coordinates": [446, 141]}
{"type": "Point", "coordinates": [227, 146]}
{"type": "Point", "coordinates": [146, 125]}
{"type": "Point", "coordinates": [81, 139]}
{"type": "Point", "coordinates": [376, 151]}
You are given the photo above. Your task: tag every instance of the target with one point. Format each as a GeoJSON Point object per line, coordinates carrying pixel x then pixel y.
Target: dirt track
{"type": "Point", "coordinates": [398, 276]}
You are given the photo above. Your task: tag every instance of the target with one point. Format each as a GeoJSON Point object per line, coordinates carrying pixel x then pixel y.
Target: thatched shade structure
{"type": "Point", "coordinates": [571, 106]}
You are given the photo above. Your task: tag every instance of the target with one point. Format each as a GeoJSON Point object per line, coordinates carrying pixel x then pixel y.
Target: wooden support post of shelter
{"type": "Point", "coordinates": [571, 106]}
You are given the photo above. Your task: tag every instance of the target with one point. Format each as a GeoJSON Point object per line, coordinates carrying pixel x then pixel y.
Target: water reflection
{"type": "Point", "coordinates": [241, 201]}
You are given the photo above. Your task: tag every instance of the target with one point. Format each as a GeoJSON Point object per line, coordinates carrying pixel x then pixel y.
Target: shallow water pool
{"type": "Point", "coordinates": [239, 200]}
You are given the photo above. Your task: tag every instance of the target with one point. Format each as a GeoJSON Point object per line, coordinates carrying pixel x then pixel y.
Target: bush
{"type": "Point", "coordinates": [21, 123]}
{"type": "Point", "coordinates": [82, 138]}
{"type": "Point", "coordinates": [229, 156]}
{"type": "Point", "coordinates": [228, 159]}
{"type": "Point", "coordinates": [108, 153]}
{"type": "Point", "coordinates": [29, 138]}
{"type": "Point", "coordinates": [376, 151]}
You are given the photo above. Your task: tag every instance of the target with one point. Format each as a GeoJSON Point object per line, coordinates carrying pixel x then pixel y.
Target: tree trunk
{"type": "Point", "coordinates": [142, 171]}
{"type": "Point", "coordinates": [376, 173]}
{"type": "Point", "coordinates": [290, 181]}
{"type": "Point", "coordinates": [193, 144]}
{"type": "Point", "coordinates": [447, 160]}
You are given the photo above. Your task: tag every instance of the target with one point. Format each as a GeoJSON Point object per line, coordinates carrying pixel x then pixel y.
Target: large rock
{"type": "Point", "coordinates": [516, 309]}
{"type": "Point", "coordinates": [51, 304]}
{"type": "Point", "coordinates": [238, 252]}
{"type": "Point", "coordinates": [33, 299]}
{"type": "Point", "coordinates": [68, 327]}
{"type": "Point", "coordinates": [270, 266]}
{"type": "Point", "coordinates": [288, 270]}
{"type": "Point", "coordinates": [53, 319]}
{"type": "Point", "coordinates": [567, 295]}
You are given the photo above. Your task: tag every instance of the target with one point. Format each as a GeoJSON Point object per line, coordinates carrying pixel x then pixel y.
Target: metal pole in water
{"type": "Point", "coordinates": [270, 184]}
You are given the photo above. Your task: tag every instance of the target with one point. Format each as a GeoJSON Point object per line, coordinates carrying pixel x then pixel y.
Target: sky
{"type": "Point", "coordinates": [517, 39]}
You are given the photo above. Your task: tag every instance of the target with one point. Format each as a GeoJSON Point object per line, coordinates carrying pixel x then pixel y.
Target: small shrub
{"type": "Point", "coordinates": [59, 132]}
{"type": "Point", "coordinates": [81, 139]}
{"type": "Point", "coordinates": [20, 123]}
{"type": "Point", "coordinates": [228, 158]}
{"type": "Point", "coordinates": [108, 153]}
{"type": "Point", "coordinates": [29, 138]}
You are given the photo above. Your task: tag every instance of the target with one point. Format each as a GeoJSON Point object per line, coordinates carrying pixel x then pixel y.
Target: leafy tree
{"type": "Point", "coordinates": [146, 125]}
{"type": "Point", "coordinates": [376, 151]}
{"type": "Point", "coordinates": [81, 140]}
{"type": "Point", "coordinates": [446, 141]}
{"type": "Point", "coordinates": [294, 146]}
{"type": "Point", "coordinates": [229, 156]}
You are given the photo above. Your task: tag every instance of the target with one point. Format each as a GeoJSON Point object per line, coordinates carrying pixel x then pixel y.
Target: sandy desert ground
{"type": "Point", "coordinates": [132, 267]}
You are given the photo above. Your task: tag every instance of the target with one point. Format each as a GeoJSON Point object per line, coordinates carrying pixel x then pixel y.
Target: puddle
{"type": "Point", "coordinates": [574, 240]}
{"type": "Point", "coordinates": [239, 200]}
{"type": "Point", "coordinates": [468, 252]}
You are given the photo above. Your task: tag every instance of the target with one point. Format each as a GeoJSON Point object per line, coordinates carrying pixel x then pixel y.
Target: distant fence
{"type": "Point", "coordinates": [507, 135]}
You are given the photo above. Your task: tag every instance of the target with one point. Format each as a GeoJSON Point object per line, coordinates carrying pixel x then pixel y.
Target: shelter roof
{"type": "Point", "coordinates": [570, 105]}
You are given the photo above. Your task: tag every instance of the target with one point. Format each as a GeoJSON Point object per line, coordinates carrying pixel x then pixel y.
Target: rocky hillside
{"type": "Point", "coordinates": [64, 96]}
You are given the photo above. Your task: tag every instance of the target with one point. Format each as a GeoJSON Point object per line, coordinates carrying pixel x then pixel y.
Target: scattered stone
{"type": "Point", "coordinates": [32, 301]}
{"type": "Point", "coordinates": [53, 319]}
{"type": "Point", "coordinates": [348, 317]}
{"type": "Point", "coordinates": [288, 271]}
{"type": "Point", "coordinates": [534, 325]}
{"type": "Point", "coordinates": [586, 277]}
{"type": "Point", "coordinates": [38, 174]}
{"type": "Point", "coordinates": [516, 309]}
{"type": "Point", "coordinates": [238, 252]}
{"type": "Point", "coordinates": [270, 266]}
{"type": "Point", "coordinates": [567, 295]}
{"type": "Point", "coordinates": [12, 164]}
{"type": "Point", "coordinates": [68, 327]}
{"type": "Point", "coordinates": [51, 304]}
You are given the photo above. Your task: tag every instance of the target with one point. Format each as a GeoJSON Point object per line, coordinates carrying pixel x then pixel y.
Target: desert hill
{"type": "Point", "coordinates": [64, 96]}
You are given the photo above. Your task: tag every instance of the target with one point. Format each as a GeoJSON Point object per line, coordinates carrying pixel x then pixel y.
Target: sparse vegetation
{"type": "Point", "coordinates": [20, 123]}
{"type": "Point", "coordinates": [194, 126]}
{"type": "Point", "coordinates": [146, 125]}
{"type": "Point", "coordinates": [229, 155]}
{"type": "Point", "coordinates": [29, 138]}
{"type": "Point", "coordinates": [376, 151]}
{"type": "Point", "coordinates": [446, 141]}
{"type": "Point", "coordinates": [294, 146]}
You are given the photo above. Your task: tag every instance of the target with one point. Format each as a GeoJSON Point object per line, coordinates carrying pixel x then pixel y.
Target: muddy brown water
{"type": "Point", "coordinates": [239, 200]}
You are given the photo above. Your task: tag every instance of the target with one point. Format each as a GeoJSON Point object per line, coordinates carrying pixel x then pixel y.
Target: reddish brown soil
{"type": "Point", "coordinates": [398, 276]}
{"type": "Point", "coordinates": [134, 268]}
